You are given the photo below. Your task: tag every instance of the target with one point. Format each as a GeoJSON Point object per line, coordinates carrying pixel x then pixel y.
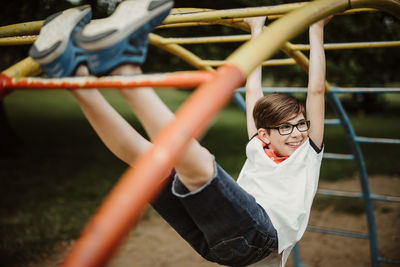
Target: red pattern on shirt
{"type": "Point", "coordinates": [271, 154]}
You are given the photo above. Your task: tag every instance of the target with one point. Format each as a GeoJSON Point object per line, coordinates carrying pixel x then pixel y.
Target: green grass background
{"type": "Point", "coordinates": [53, 181]}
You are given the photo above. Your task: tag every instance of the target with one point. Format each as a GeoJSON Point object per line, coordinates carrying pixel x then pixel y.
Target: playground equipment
{"type": "Point", "coordinates": [139, 184]}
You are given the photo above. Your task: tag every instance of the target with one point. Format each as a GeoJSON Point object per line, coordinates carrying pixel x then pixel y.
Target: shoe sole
{"type": "Point", "coordinates": [109, 31]}
{"type": "Point", "coordinates": [55, 34]}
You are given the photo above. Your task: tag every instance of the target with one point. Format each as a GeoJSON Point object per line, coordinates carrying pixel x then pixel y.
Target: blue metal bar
{"type": "Point", "coordinates": [350, 134]}
{"type": "Point", "coordinates": [240, 101]}
{"type": "Point", "coordinates": [374, 140]}
{"type": "Point", "coordinates": [334, 89]}
{"type": "Point", "coordinates": [338, 156]}
{"type": "Point", "coordinates": [337, 232]}
{"type": "Point", "coordinates": [332, 122]}
{"type": "Point", "coordinates": [385, 260]}
{"type": "Point", "coordinates": [356, 195]}
{"type": "Point", "coordinates": [360, 90]}
{"type": "Point", "coordinates": [296, 256]}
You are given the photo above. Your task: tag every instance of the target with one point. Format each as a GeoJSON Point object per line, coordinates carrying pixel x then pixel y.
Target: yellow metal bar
{"type": "Point", "coordinates": [186, 10]}
{"type": "Point", "coordinates": [17, 40]}
{"type": "Point", "coordinates": [209, 39]}
{"type": "Point", "coordinates": [358, 45]}
{"type": "Point", "coordinates": [232, 13]}
{"type": "Point", "coordinates": [24, 68]}
{"type": "Point", "coordinates": [187, 24]}
{"type": "Point", "coordinates": [271, 62]}
{"type": "Point", "coordinates": [347, 12]}
{"type": "Point", "coordinates": [19, 29]}
{"type": "Point", "coordinates": [390, 6]}
{"type": "Point", "coordinates": [178, 51]}
{"type": "Point", "coordinates": [359, 10]}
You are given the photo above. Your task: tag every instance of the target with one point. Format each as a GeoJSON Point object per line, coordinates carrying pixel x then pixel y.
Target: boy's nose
{"type": "Point", "coordinates": [295, 132]}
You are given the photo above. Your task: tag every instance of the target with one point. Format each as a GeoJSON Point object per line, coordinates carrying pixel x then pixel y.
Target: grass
{"type": "Point", "coordinates": [58, 174]}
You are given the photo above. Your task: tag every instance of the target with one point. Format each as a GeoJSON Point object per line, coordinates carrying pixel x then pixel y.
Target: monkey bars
{"type": "Point", "coordinates": [141, 183]}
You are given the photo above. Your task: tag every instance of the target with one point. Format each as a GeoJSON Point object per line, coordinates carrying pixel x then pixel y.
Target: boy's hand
{"type": "Point", "coordinates": [321, 23]}
{"type": "Point", "coordinates": [255, 23]}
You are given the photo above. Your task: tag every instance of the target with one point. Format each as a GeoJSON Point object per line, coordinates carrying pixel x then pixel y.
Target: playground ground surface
{"type": "Point", "coordinates": [153, 243]}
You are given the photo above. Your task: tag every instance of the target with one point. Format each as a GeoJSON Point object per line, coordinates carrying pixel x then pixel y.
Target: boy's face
{"type": "Point", "coordinates": [284, 145]}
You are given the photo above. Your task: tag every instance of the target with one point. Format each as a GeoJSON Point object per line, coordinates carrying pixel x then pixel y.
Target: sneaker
{"type": "Point", "coordinates": [122, 37]}
{"type": "Point", "coordinates": [54, 50]}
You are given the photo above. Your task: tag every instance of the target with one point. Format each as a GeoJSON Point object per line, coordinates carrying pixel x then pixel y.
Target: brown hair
{"type": "Point", "coordinates": [274, 109]}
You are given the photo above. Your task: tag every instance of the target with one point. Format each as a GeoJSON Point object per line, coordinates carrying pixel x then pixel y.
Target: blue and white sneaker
{"type": "Point", "coordinates": [122, 37]}
{"type": "Point", "coordinates": [55, 50]}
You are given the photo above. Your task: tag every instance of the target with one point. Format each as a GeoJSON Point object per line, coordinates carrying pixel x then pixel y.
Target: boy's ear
{"type": "Point", "coordinates": [263, 135]}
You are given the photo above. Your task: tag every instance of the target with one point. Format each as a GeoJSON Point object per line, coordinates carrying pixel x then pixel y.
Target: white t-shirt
{"type": "Point", "coordinates": [285, 190]}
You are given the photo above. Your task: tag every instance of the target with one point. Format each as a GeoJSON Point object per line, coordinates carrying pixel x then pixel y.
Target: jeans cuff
{"type": "Point", "coordinates": [180, 190]}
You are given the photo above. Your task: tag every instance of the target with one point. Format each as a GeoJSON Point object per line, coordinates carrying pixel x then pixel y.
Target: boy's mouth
{"type": "Point", "coordinates": [294, 143]}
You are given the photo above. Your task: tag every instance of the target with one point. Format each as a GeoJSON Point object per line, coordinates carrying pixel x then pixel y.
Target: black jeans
{"type": "Point", "coordinates": [221, 221]}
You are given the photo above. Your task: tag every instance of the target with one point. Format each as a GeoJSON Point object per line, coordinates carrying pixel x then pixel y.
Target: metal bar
{"type": "Point", "coordinates": [389, 261]}
{"type": "Point", "coordinates": [270, 62]}
{"type": "Point", "coordinates": [337, 193]}
{"type": "Point", "coordinates": [374, 140]}
{"type": "Point", "coordinates": [364, 90]}
{"type": "Point", "coordinates": [178, 51]}
{"type": "Point", "coordinates": [19, 29]}
{"type": "Point", "coordinates": [18, 40]}
{"type": "Point", "coordinates": [208, 39]}
{"type": "Point", "coordinates": [296, 256]}
{"type": "Point", "coordinates": [359, 159]}
{"type": "Point", "coordinates": [337, 232]}
{"type": "Point", "coordinates": [217, 15]}
{"type": "Point", "coordinates": [25, 67]}
{"type": "Point", "coordinates": [338, 156]}
{"type": "Point", "coordinates": [343, 46]}
{"type": "Point", "coordinates": [176, 79]}
{"type": "Point", "coordinates": [332, 122]}
{"type": "Point", "coordinates": [336, 90]}
{"type": "Point", "coordinates": [239, 99]}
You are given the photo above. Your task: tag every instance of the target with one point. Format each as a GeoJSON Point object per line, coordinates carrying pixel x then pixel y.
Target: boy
{"type": "Point", "coordinates": [257, 222]}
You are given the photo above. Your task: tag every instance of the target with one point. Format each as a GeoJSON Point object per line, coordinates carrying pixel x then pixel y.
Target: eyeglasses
{"type": "Point", "coordinates": [287, 128]}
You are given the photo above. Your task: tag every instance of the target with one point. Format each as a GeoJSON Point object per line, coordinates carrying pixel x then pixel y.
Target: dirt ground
{"type": "Point", "coordinates": [154, 243]}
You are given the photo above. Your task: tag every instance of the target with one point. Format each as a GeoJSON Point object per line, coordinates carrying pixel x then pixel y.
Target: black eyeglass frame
{"type": "Point", "coordinates": [293, 125]}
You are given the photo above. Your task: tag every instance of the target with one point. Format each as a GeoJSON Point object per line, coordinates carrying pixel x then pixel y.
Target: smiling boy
{"type": "Point", "coordinates": [284, 153]}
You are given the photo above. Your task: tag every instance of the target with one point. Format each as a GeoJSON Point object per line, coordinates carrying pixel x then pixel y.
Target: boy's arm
{"type": "Point", "coordinates": [315, 104]}
{"type": "Point", "coordinates": [253, 84]}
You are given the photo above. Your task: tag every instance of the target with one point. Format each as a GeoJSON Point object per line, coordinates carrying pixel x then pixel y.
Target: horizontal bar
{"type": "Point", "coordinates": [374, 140]}
{"type": "Point", "coordinates": [338, 156]}
{"type": "Point", "coordinates": [337, 193]}
{"type": "Point", "coordinates": [18, 40]}
{"type": "Point", "coordinates": [302, 47]}
{"type": "Point", "coordinates": [363, 90]}
{"type": "Point", "coordinates": [337, 232]}
{"type": "Point", "coordinates": [341, 90]}
{"type": "Point", "coordinates": [181, 79]}
{"type": "Point", "coordinates": [278, 90]}
{"type": "Point", "coordinates": [270, 62]}
{"type": "Point", "coordinates": [209, 39]}
{"type": "Point", "coordinates": [332, 122]}
{"type": "Point", "coordinates": [215, 15]}
{"type": "Point", "coordinates": [356, 45]}
{"type": "Point", "coordinates": [389, 261]}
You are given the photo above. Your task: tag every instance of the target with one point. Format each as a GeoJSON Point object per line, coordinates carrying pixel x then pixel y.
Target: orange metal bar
{"type": "Point", "coordinates": [142, 182]}
{"type": "Point", "coordinates": [176, 79]}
